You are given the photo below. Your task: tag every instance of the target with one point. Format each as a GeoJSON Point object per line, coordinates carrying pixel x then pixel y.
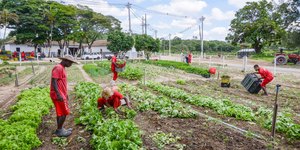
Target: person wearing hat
{"type": "Point", "coordinates": [112, 98]}
{"type": "Point", "coordinates": [59, 94]}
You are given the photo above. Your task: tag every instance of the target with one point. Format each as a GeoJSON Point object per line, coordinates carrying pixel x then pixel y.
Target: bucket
{"type": "Point", "coordinates": [212, 70]}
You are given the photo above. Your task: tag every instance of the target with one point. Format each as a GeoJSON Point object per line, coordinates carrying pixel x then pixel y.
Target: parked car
{"type": "Point", "coordinates": [91, 56]}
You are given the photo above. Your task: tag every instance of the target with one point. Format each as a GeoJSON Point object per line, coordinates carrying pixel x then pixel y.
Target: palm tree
{"type": "Point", "coordinates": [5, 18]}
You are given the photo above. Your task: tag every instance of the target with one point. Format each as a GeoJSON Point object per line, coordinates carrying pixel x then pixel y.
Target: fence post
{"type": "Point", "coordinates": [144, 76]}
{"type": "Point", "coordinates": [223, 61]}
{"type": "Point", "coordinates": [275, 65]}
{"type": "Point", "coordinates": [275, 112]}
{"type": "Point", "coordinates": [17, 80]}
{"type": "Point", "coordinates": [209, 61]}
{"type": "Point", "coordinates": [32, 68]}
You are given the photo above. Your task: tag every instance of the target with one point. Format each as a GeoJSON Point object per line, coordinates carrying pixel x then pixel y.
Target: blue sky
{"type": "Point", "coordinates": [218, 14]}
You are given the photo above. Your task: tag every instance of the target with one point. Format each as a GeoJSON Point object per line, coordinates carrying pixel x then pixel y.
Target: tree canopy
{"type": "Point", "coordinates": [147, 44]}
{"type": "Point", "coordinates": [119, 41]}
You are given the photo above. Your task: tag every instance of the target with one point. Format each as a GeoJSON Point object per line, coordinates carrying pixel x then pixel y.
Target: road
{"type": "Point", "coordinates": [238, 63]}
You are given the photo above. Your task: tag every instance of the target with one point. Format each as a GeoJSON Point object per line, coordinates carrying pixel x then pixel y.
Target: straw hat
{"type": "Point", "coordinates": [107, 92]}
{"type": "Point", "coordinates": [69, 58]}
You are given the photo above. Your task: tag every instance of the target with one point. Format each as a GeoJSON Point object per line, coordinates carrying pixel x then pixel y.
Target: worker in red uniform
{"type": "Point", "coordinates": [113, 66]}
{"type": "Point", "coordinates": [32, 54]}
{"type": "Point", "coordinates": [23, 55]}
{"type": "Point", "coordinates": [266, 75]}
{"type": "Point", "coordinates": [15, 54]}
{"type": "Point", "coordinates": [59, 94]}
{"type": "Point", "coordinates": [112, 98]}
{"type": "Point", "coordinates": [190, 57]}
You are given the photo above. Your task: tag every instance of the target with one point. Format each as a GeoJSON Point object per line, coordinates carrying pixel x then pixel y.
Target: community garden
{"type": "Point", "coordinates": [175, 106]}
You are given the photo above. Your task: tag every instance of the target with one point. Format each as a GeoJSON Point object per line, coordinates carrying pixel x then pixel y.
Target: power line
{"type": "Point", "coordinates": [160, 13]}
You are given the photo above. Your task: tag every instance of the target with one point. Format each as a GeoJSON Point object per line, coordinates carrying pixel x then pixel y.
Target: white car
{"type": "Point", "coordinates": [91, 56]}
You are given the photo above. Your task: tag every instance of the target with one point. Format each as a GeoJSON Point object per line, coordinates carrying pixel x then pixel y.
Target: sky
{"type": "Point", "coordinates": [170, 17]}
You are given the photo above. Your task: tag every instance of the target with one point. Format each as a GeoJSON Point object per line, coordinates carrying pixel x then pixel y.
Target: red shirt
{"type": "Point", "coordinates": [59, 73]}
{"type": "Point", "coordinates": [264, 73]}
{"type": "Point", "coordinates": [113, 60]}
{"type": "Point", "coordinates": [32, 54]}
{"type": "Point", "coordinates": [22, 54]}
{"type": "Point", "coordinates": [114, 100]}
{"type": "Point", "coordinates": [190, 58]}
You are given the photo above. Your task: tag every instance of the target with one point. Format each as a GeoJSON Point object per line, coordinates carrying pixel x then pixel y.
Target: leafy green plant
{"type": "Point", "coordinates": [60, 141]}
{"type": "Point", "coordinates": [162, 139]}
{"type": "Point", "coordinates": [131, 73]}
{"type": "Point", "coordinates": [181, 81]}
{"type": "Point", "coordinates": [109, 132]}
{"type": "Point", "coordinates": [19, 131]}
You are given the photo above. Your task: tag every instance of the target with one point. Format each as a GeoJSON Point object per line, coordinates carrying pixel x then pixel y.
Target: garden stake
{"type": "Point", "coordinates": [17, 80]}
{"type": "Point", "coordinates": [144, 76]}
{"type": "Point", "coordinates": [275, 112]}
{"type": "Point", "coordinates": [32, 68]}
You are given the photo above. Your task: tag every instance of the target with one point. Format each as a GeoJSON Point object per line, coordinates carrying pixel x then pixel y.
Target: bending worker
{"type": "Point", "coordinates": [266, 75]}
{"type": "Point", "coordinates": [112, 98]}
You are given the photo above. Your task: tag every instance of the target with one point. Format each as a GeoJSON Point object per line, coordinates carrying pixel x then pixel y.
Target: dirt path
{"type": "Point", "coordinates": [8, 93]}
{"type": "Point", "coordinates": [85, 75]}
{"type": "Point", "coordinates": [79, 138]}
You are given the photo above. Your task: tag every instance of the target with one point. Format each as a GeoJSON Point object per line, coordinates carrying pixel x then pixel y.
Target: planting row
{"type": "Point", "coordinates": [19, 131]}
{"type": "Point", "coordinates": [109, 132]}
{"type": "Point", "coordinates": [182, 66]}
{"type": "Point", "coordinates": [263, 116]}
{"type": "Point", "coordinates": [163, 105]}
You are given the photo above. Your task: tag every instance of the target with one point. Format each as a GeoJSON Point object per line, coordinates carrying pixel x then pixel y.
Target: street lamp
{"type": "Point", "coordinates": [201, 36]}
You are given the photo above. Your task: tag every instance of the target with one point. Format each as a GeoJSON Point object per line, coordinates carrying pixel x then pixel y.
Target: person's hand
{"type": "Point", "coordinates": [59, 98]}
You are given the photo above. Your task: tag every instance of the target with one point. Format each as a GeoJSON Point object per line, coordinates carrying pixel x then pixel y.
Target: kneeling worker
{"type": "Point", "coordinates": [266, 75]}
{"type": "Point", "coordinates": [112, 98]}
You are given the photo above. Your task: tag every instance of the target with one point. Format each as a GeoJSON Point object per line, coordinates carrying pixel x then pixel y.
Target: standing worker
{"type": "Point", "coordinates": [59, 94]}
{"type": "Point", "coordinates": [113, 66]}
{"type": "Point", "coordinates": [266, 75]}
{"type": "Point", "coordinates": [190, 57]}
{"type": "Point", "coordinates": [23, 56]}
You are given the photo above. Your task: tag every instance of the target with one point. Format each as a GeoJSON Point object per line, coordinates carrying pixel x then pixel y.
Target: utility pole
{"type": "Point", "coordinates": [169, 44]}
{"type": "Point", "coordinates": [143, 25]}
{"type": "Point", "coordinates": [202, 19]}
{"type": "Point", "coordinates": [129, 19]}
{"type": "Point", "coordinates": [155, 31]}
{"type": "Point", "coordinates": [146, 24]}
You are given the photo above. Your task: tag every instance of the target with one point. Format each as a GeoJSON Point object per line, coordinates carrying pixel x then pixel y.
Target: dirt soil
{"type": "Point", "coordinates": [48, 126]}
{"type": "Point", "coordinates": [196, 133]}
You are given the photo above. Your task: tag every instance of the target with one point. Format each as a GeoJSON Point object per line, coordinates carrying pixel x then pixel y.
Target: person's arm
{"type": "Point", "coordinates": [127, 102]}
{"type": "Point", "coordinates": [54, 83]}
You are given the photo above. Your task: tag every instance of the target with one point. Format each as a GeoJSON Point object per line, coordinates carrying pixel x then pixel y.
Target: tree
{"type": "Point", "coordinates": [256, 23]}
{"type": "Point", "coordinates": [5, 18]}
{"type": "Point", "coordinates": [147, 44]}
{"type": "Point", "coordinates": [119, 41]}
{"type": "Point", "coordinates": [31, 27]}
{"type": "Point", "coordinates": [61, 21]}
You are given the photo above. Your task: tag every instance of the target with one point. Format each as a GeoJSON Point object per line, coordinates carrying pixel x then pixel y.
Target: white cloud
{"type": "Point", "coordinates": [217, 33]}
{"type": "Point", "coordinates": [101, 6]}
{"type": "Point", "coordinates": [162, 25]}
{"type": "Point", "coordinates": [217, 14]}
{"type": "Point", "coordinates": [240, 3]}
{"type": "Point", "coordinates": [180, 7]}
{"type": "Point", "coordinates": [183, 23]}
